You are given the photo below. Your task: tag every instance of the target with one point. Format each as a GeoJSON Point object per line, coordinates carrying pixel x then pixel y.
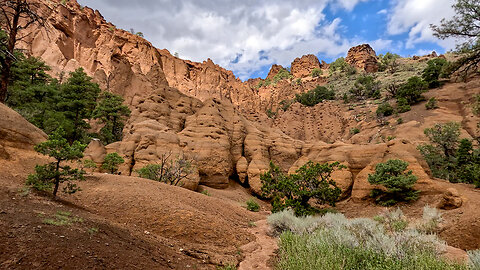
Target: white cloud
{"type": "Point", "coordinates": [347, 4]}
{"type": "Point", "coordinates": [383, 11]}
{"type": "Point", "coordinates": [242, 36]}
{"type": "Point", "coordinates": [414, 17]}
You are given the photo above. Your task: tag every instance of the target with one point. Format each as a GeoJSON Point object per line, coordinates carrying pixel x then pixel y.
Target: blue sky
{"type": "Point", "coordinates": [249, 36]}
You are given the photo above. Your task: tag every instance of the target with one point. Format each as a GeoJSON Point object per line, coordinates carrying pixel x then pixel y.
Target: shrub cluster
{"type": "Point", "coordinates": [385, 109]}
{"type": "Point", "coordinates": [398, 183]}
{"type": "Point", "coordinates": [435, 68]}
{"type": "Point", "coordinates": [335, 242]}
{"type": "Point", "coordinates": [316, 72]}
{"type": "Point", "coordinates": [313, 180]}
{"type": "Point", "coordinates": [315, 96]}
{"type": "Point", "coordinates": [449, 157]}
{"type": "Point", "coordinates": [365, 87]}
{"type": "Point", "coordinates": [431, 104]}
{"type": "Point", "coordinates": [388, 62]}
{"type": "Point", "coordinates": [341, 66]}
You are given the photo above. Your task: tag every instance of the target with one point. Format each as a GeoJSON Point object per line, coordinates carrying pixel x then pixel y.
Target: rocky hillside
{"type": "Point", "coordinates": [204, 111]}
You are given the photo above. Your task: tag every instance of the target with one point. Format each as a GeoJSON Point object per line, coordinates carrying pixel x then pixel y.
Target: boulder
{"type": "Point", "coordinates": [451, 199]}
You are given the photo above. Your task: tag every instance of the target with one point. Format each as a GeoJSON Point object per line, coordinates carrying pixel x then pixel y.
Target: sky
{"type": "Point", "coordinates": [249, 36]}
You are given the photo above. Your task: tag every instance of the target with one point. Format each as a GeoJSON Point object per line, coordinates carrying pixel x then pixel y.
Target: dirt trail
{"type": "Point", "coordinates": [261, 251]}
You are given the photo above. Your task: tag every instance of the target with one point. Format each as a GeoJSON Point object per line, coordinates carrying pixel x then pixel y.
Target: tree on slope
{"type": "Point", "coordinates": [313, 180]}
{"type": "Point", "coordinates": [464, 25]}
{"type": "Point", "coordinates": [55, 173]}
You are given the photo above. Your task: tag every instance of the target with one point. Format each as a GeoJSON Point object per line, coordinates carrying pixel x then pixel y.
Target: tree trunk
{"type": "Point", "coordinates": [12, 39]}
{"type": "Point", "coordinates": [57, 179]}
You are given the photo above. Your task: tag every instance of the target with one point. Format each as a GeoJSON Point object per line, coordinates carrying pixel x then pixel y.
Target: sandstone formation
{"type": "Point", "coordinates": [204, 112]}
{"type": "Point", "coordinates": [363, 57]}
{"type": "Point", "coordinates": [274, 71]}
{"type": "Point", "coordinates": [303, 67]}
{"type": "Point", "coordinates": [17, 133]}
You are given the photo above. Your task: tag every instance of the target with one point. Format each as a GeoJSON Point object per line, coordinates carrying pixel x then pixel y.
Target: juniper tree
{"type": "Point", "coordinates": [464, 25]}
{"type": "Point", "coordinates": [112, 114]}
{"type": "Point", "coordinates": [313, 180]}
{"type": "Point", "coordinates": [55, 173]}
{"type": "Point", "coordinates": [399, 182]}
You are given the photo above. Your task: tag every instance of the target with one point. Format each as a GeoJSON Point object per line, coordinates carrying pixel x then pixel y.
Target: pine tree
{"type": "Point", "coordinates": [55, 173]}
{"type": "Point", "coordinates": [111, 162]}
{"type": "Point", "coordinates": [79, 95]}
{"type": "Point", "coordinates": [112, 114]}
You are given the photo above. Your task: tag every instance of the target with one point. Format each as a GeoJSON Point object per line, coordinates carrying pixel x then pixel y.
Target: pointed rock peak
{"type": "Point", "coordinates": [274, 71]}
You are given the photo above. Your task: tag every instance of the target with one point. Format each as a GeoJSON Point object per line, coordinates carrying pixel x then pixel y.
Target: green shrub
{"type": "Point", "coordinates": [341, 66]}
{"type": "Point", "coordinates": [62, 218]}
{"type": "Point", "coordinates": [354, 131]}
{"type": "Point", "coordinates": [431, 104]}
{"type": "Point", "coordinates": [270, 113]}
{"type": "Point", "coordinates": [111, 162]}
{"type": "Point", "coordinates": [388, 62]}
{"type": "Point", "coordinates": [476, 105]}
{"type": "Point", "coordinates": [385, 109]}
{"type": "Point", "coordinates": [253, 206]}
{"type": "Point", "coordinates": [265, 83]}
{"type": "Point", "coordinates": [400, 121]}
{"type": "Point", "coordinates": [432, 72]}
{"type": "Point", "coordinates": [412, 90]}
{"type": "Point", "coordinates": [399, 184]}
{"type": "Point", "coordinates": [285, 104]}
{"type": "Point", "coordinates": [89, 164]}
{"type": "Point", "coordinates": [281, 75]}
{"type": "Point", "coordinates": [365, 87]}
{"type": "Point", "coordinates": [315, 96]}
{"type": "Point", "coordinates": [298, 81]}
{"type": "Point", "coordinates": [449, 157]}
{"type": "Point", "coordinates": [402, 105]}
{"type": "Point", "coordinates": [316, 72]}
{"type": "Point", "coordinates": [312, 180]}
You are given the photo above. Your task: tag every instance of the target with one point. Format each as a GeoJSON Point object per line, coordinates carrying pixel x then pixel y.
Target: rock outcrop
{"type": "Point", "coordinates": [16, 132]}
{"type": "Point", "coordinates": [274, 71]}
{"type": "Point", "coordinates": [363, 57]}
{"type": "Point", "coordinates": [303, 66]}
{"type": "Point", "coordinates": [204, 112]}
